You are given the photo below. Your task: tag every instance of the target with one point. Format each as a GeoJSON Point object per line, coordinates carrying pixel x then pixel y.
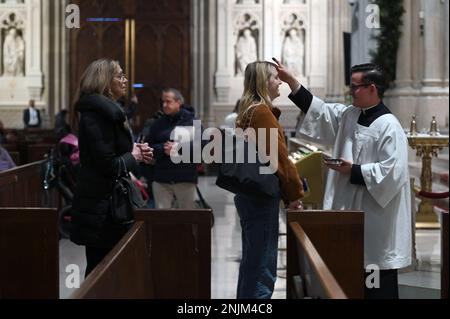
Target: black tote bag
{"type": "Point", "coordinates": [244, 176]}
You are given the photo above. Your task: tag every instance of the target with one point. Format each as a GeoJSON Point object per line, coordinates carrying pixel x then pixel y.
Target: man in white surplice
{"type": "Point", "coordinates": [374, 175]}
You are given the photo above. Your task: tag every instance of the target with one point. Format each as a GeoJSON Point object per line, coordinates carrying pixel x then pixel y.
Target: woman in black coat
{"type": "Point", "coordinates": [105, 142]}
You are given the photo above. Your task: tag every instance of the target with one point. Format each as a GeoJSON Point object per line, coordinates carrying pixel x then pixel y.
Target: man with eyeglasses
{"type": "Point", "coordinates": [373, 174]}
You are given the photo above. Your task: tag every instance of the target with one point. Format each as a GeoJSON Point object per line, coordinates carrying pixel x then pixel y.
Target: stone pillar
{"type": "Point", "coordinates": [422, 65]}
{"type": "Point", "coordinates": [55, 58]}
{"type": "Point", "coordinates": [404, 55]}
{"type": "Point", "coordinates": [416, 45]}
{"type": "Point", "coordinates": [339, 21]}
{"type": "Point", "coordinates": [203, 57]}
{"type": "Point", "coordinates": [433, 42]}
{"type": "Point", "coordinates": [434, 93]}
{"type": "Point", "coordinates": [34, 49]}
{"type": "Point", "coordinates": [445, 14]}
{"type": "Point", "coordinates": [403, 99]}
{"type": "Point", "coordinates": [318, 50]}
{"type": "Point", "coordinates": [223, 74]}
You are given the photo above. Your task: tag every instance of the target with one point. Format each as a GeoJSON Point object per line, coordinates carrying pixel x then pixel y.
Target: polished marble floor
{"type": "Point", "coordinates": [226, 254]}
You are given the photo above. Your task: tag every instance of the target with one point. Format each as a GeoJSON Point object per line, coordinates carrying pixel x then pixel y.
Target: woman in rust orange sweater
{"type": "Point", "coordinates": [259, 217]}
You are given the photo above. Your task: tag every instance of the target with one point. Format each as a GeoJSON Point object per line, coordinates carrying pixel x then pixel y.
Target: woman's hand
{"type": "Point", "coordinates": [296, 204]}
{"type": "Point", "coordinates": [142, 152]}
{"type": "Point", "coordinates": [286, 76]}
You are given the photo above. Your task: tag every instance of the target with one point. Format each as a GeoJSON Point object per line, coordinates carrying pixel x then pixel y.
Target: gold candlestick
{"type": "Point", "coordinates": [413, 127]}
{"type": "Point", "coordinates": [426, 147]}
{"type": "Point", "coordinates": [433, 127]}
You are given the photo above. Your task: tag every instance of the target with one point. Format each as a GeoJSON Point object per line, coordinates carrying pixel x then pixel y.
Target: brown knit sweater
{"type": "Point", "coordinates": [267, 117]}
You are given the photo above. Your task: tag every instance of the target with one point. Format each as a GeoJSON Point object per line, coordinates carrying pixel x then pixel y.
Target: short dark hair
{"type": "Point", "coordinates": [372, 73]}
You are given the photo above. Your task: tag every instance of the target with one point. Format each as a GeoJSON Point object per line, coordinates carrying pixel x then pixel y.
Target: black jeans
{"type": "Point", "coordinates": [94, 256]}
{"type": "Point", "coordinates": [388, 286]}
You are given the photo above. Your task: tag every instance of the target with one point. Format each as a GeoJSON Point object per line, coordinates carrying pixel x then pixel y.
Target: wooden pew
{"type": "Point", "coordinates": [22, 187]}
{"type": "Point", "coordinates": [338, 237]}
{"type": "Point", "coordinates": [177, 254]}
{"type": "Point", "coordinates": [29, 253]}
{"type": "Point", "coordinates": [11, 147]}
{"type": "Point", "coordinates": [444, 256]}
{"type": "Point", "coordinates": [124, 273]}
{"type": "Point", "coordinates": [316, 279]}
{"type": "Point", "coordinates": [180, 249]}
{"type": "Point", "coordinates": [15, 156]}
{"type": "Point", "coordinates": [37, 152]}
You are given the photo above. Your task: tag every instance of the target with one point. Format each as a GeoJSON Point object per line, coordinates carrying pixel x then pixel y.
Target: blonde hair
{"type": "Point", "coordinates": [257, 74]}
{"type": "Point", "coordinates": [97, 78]}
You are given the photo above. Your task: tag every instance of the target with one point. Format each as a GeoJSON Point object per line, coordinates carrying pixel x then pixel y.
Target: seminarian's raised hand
{"type": "Point", "coordinates": [286, 76]}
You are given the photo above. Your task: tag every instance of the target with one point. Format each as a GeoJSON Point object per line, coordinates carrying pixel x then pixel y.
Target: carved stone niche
{"type": "Point", "coordinates": [293, 35]}
{"type": "Point", "coordinates": [13, 52]}
{"type": "Point", "coordinates": [21, 51]}
{"type": "Point", "coordinates": [246, 36]}
{"type": "Point", "coordinates": [12, 46]}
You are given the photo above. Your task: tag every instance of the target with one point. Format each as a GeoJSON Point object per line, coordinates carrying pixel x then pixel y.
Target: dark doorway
{"type": "Point", "coordinates": [150, 39]}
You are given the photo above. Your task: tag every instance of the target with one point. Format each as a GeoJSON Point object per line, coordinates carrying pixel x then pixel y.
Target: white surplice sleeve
{"type": "Point", "coordinates": [322, 120]}
{"type": "Point", "coordinates": [386, 177]}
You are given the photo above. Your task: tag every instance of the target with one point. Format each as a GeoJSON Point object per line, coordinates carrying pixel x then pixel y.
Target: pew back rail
{"type": "Point", "coordinates": [317, 279]}
{"type": "Point", "coordinates": [173, 250]}
{"type": "Point", "coordinates": [338, 237]}
{"type": "Point", "coordinates": [124, 273]}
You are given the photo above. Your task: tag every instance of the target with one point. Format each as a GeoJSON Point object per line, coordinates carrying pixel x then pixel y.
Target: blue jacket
{"type": "Point", "coordinates": [165, 170]}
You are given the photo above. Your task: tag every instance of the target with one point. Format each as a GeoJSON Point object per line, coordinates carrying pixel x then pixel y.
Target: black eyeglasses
{"type": "Point", "coordinates": [121, 76]}
{"type": "Point", "coordinates": [354, 87]}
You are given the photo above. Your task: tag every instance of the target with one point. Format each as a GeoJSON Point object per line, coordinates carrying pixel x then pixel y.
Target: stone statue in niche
{"type": "Point", "coordinates": [13, 53]}
{"type": "Point", "coordinates": [293, 53]}
{"type": "Point", "coordinates": [246, 50]}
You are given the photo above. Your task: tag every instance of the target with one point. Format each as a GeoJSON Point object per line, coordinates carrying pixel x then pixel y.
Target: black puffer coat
{"type": "Point", "coordinates": [103, 139]}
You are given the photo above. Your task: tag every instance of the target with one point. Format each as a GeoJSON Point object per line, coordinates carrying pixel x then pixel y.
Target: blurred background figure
{"type": "Point", "coordinates": [6, 161]}
{"type": "Point", "coordinates": [2, 133]}
{"type": "Point", "coordinates": [62, 128]}
{"type": "Point", "coordinates": [31, 116]}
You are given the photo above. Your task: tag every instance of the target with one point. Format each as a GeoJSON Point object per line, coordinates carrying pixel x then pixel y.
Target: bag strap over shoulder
{"type": "Point", "coordinates": [245, 115]}
{"type": "Point", "coordinates": [119, 169]}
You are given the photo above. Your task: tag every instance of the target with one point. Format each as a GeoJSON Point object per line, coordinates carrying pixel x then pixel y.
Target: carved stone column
{"type": "Point", "coordinates": [34, 50]}
{"type": "Point", "coordinates": [55, 57]}
{"type": "Point", "coordinates": [434, 93]}
{"type": "Point", "coordinates": [223, 74]}
{"type": "Point", "coordinates": [445, 14]}
{"type": "Point", "coordinates": [404, 55]}
{"type": "Point", "coordinates": [422, 63]}
{"type": "Point", "coordinates": [318, 55]}
{"type": "Point", "coordinates": [339, 21]}
{"type": "Point", "coordinates": [433, 41]}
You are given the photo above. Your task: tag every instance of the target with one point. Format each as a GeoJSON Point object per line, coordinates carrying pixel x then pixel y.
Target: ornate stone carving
{"type": "Point", "coordinates": [246, 47]}
{"type": "Point", "coordinates": [13, 53]}
{"type": "Point", "coordinates": [13, 47]}
{"type": "Point", "coordinates": [293, 49]}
